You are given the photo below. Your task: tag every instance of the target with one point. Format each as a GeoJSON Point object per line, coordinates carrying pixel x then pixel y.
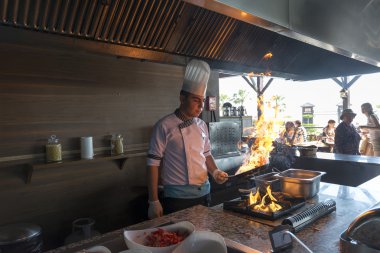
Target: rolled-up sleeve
{"type": "Point", "coordinates": [157, 146]}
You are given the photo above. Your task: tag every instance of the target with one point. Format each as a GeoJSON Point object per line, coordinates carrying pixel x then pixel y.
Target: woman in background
{"type": "Point", "coordinates": [290, 136]}
{"type": "Point", "coordinates": [367, 145]}
{"type": "Point", "coordinates": [372, 119]}
{"type": "Point", "coordinates": [300, 129]}
{"type": "Point", "coordinates": [328, 134]}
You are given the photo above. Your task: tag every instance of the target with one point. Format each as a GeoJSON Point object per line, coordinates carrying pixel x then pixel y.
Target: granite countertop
{"type": "Point", "coordinates": [321, 236]}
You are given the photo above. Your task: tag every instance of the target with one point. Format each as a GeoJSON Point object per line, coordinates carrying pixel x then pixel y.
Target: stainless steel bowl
{"type": "Point", "coordinates": [263, 181]}
{"type": "Point", "coordinates": [307, 150]}
{"type": "Point", "coordinates": [297, 183]}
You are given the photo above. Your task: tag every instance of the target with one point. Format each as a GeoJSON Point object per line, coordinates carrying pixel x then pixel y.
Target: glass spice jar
{"type": "Point", "coordinates": [53, 150]}
{"type": "Point", "coordinates": [117, 147]}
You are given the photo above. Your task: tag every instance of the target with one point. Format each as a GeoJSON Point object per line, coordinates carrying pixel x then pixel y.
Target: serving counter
{"type": "Point", "coordinates": [238, 230]}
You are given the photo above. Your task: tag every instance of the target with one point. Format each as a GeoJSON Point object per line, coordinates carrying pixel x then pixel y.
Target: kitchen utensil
{"type": "Point", "coordinates": [269, 179]}
{"type": "Point", "coordinates": [241, 206]}
{"type": "Point", "coordinates": [298, 183]}
{"type": "Point", "coordinates": [301, 220]}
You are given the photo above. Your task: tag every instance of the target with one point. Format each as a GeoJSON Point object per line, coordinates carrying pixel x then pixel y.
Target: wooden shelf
{"type": "Point", "coordinates": [120, 160]}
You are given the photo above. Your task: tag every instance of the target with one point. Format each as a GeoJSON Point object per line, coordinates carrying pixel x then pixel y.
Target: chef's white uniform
{"type": "Point", "coordinates": [180, 147]}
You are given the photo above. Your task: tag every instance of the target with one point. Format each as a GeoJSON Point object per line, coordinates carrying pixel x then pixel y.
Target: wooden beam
{"type": "Point", "coordinates": [250, 84]}
{"type": "Point", "coordinates": [353, 80]}
{"type": "Point", "coordinates": [338, 82]}
{"type": "Point", "coordinates": [267, 85]}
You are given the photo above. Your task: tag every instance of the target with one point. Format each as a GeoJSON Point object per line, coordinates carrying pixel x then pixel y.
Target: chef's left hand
{"type": "Point", "coordinates": [220, 176]}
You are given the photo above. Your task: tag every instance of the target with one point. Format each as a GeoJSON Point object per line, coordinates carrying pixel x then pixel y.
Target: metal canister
{"type": "Point", "coordinates": [117, 147]}
{"type": "Point", "coordinates": [53, 150]}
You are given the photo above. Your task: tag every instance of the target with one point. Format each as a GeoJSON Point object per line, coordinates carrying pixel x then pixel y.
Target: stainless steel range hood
{"type": "Point", "coordinates": [231, 40]}
{"type": "Point", "coordinates": [349, 27]}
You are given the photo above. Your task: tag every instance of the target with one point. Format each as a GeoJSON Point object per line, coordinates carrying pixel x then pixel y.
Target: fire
{"type": "Point", "coordinates": [265, 134]}
{"type": "Point", "coordinates": [267, 56]}
{"type": "Point", "coordinates": [272, 207]}
{"type": "Point", "coordinates": [254, 200]}
{"type": "Point", "coordinates": [252, 74]}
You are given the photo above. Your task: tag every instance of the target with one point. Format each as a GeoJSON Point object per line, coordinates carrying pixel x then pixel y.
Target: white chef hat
{"type": "Point", "coordinates": [196, 77]}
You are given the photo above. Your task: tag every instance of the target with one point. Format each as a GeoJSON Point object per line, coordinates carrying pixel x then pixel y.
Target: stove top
{"type": "Point", "coordinates": [241, 206]}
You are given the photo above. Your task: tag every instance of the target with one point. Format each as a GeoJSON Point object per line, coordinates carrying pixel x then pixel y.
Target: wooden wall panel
{"type": "Point", "coordinates": [71, 93]}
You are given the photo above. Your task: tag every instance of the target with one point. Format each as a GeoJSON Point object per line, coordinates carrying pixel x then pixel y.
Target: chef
{"type": "Point", "coordinates": [179, 154]}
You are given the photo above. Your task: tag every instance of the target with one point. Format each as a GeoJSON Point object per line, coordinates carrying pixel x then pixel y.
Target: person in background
{"type": "Point", "coordinates": [179, 154]}
{"type": "Point", "coordinates": [300, 130]}
{"type": "Point", "coordinates": [328, 134]}
{"type": "Point", "coordinates": [347, 137]}
{"type": "Point", "coordinates": [366, 145]}
{"type": "Point", "coordinates": [372, 119]}
{"type": "Point", "coordinates": [289, 135]}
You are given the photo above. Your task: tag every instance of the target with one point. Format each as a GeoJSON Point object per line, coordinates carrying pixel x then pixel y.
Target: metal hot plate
{"type": "Point", "coordinates": [241, 206]}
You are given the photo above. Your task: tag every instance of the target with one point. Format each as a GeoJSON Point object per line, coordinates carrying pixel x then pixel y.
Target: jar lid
{"type": "Point", "coordinates": [53, 139]}
{"type": "Point", "coordinates": [15, 233]}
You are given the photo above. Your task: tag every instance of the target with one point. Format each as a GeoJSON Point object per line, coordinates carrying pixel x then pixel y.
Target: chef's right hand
{"type": "Point", "coordinates": [219, 176]}
{"type": "Point", "coordinates": [155, 209]}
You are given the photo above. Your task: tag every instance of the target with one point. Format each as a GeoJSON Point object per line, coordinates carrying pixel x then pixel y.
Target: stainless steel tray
{"type": "Point", "coordinates": [298, 183]}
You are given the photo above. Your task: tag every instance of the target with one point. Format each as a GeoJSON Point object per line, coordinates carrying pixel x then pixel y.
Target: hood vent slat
{"type": "Point", "coordinates": [181, 29]}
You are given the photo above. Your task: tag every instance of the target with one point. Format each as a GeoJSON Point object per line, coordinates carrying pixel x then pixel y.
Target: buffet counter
{"type": "Point", "coordinates": [238, 230]}
{"type": "Point", "coordinates": [351, 170]}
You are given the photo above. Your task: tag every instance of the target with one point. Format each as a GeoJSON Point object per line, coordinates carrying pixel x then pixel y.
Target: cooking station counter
{"type": "Point", "coordinates": [321, 236]}
{"type": "Point", "coordinates": [340, 168]}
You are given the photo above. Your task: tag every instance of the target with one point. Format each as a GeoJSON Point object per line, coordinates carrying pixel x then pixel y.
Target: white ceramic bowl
{"type": "Point", "coordinates": [201, 242]}
{"type": "Point", "coordinates": [136, 251]}
{"type": "Point", "coordinates": [135, 238]}
{"type": "Point", "coordinates": [97, 249]}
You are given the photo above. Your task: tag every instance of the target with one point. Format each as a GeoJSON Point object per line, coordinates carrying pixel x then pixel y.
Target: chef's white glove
{"type": "Point", "coordinates": [155, 209]}
{"type": "Point", "coordinates": [220, 176]}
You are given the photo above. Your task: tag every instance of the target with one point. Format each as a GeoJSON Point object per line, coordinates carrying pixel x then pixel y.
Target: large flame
{"type": "Point", "coordinates": [272, 206]}
{"type": "Point", "coordinates": [254, 201]}
{"type": "Point", "coordinates": [265, 133]}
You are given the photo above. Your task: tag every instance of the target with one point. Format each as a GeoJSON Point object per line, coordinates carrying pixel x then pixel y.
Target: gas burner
{"type": "Point", "coordinates": [242, 206]}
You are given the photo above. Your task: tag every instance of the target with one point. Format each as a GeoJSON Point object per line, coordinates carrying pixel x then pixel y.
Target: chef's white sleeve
{"type": "Point", "coordinates": [156, 146]}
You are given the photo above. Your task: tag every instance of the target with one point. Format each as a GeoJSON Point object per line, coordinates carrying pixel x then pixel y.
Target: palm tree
{"type": "Point", "coordinates": [278, 104]}
{"type": "Point", "coordinates": [240, 97]}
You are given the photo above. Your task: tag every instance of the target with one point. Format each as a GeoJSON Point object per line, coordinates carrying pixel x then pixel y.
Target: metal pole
{"type": "Point", "coordinates": [298, 240]}
{"type": "Point", "coordinates": [260, 98]}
